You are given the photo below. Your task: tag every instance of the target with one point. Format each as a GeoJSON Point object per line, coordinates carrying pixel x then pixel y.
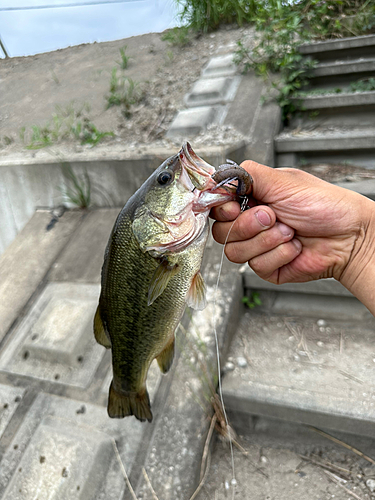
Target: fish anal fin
{"type": "Point", "coordinates": [160, 279]}
{"type": "Point", "coordinates": [196, 297]}
{"type": "Point", "coordinates": [99, 331]}
{"type": "Point", "coordinates": [122, 405]}
{"type": "Point", "coordinates": [165, 358]}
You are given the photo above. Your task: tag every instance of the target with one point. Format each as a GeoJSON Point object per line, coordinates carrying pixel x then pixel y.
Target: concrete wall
{"type": "Point", "coordinates": [27, 186]}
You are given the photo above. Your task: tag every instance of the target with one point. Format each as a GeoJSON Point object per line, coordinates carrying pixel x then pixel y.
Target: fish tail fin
{"type": "Point", "coordinates": [99, 331]}
{"type": "Point", "coordinates": [121, 405]}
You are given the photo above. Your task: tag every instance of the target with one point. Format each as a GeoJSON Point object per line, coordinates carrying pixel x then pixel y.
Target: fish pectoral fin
{"type": "Point", "coordinates": [100, 333]}
{"type": "Point", "coordinates": [122, 405]}
{"type": "Point", "coordinates": [165, 358]}
{"type": "Point", "coordinates": [196, 296]}
{"type": "Point", "coordinates": [163, 273]}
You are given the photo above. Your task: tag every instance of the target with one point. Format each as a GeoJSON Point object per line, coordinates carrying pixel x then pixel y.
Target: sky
{"type": "Point", "coordinates": [28, 32]}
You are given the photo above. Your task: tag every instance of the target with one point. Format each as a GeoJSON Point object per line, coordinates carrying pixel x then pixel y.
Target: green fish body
{"type": "Point", "coordinates": [151, 271]}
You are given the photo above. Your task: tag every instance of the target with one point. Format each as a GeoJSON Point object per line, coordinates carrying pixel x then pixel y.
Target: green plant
{"type": "Point", "coordinates": [66, 123]}
{"type": "Point", "coordinates": [207, 15]}
{"type": "Point", "coordinates": [124, 92]}
{"type": "Point", "coordinates": [124, 58]}
{"type": "Point", "coordinates": [364, 85]}
{"type": "Point", "coordinates": [87, 133]}
{"type": "Point", "coordinates": [77, 188]}
{"type": "Point", "coordinates": [252, 301]}
{"type": "Point", "coordinates": [169, 57]}
{"type": "Point", "coordinates": [283, 25]}
{"type": "Point", "coordinates": [177, 37]}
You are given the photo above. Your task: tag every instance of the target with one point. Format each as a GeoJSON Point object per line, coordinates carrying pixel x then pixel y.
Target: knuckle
{"type": "Point", "coordinates": [233, 253]}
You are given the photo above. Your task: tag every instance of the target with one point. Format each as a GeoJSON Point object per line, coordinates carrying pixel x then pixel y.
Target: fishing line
{"type": "Point", "coordinates": [233, 481]}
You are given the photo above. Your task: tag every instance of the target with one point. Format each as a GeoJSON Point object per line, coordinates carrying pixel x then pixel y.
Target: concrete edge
{"type": "Point", "coordinates": [181, 427]}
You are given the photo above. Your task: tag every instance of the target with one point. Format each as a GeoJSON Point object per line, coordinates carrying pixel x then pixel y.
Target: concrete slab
{"type": "Point", "coordinates": [220, 66]}
{"type": "Point", "coordinates": [27, 260]}
{"type": "Point", "coordinates": [321, 287]}
{"type": "Point", "coordinates": [212, 91]}
{"type": "Point", "coordinates": [61, 451]}
{"type": "Point", "coordinates": [345, 47]}
{"type": "Point", "coordinates": [10, 398]}
{"type": "Point", "coordinates": [298, 370]}
{"type": "Point", "coordinates": [338, 100]}
{"type": "Point", "coordinates": [265, 127]}
{"type": "Point", "coordinates": [329, 141]}
{"type": "Point", "coordinates": [338, 68]}
{"type": "Point", "coordinates": [82, 260]}
{"type": "Point", "coordinates": [185, 419]}
{"type": "Point", "coordinates": [190, 122]}
{"type": "Point", "coordinates": [55, 341]}
{"type": "Point", "coordinates": [365, 187]}
{"type": "Point", "coordinates": [320, 306]}
{"type": "Point", "coordinates": [243, 111]}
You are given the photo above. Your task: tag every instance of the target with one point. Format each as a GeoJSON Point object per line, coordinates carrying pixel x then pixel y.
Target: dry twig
{"type": "Point", "coordinates": [132, 492]}
{"type": "Point", "coordinates": [328, 466]}
{"type": "Point", "coordinates": [145, 475]}
{"type": "Point", "coordinates": [337, 481]}
{"type": "Point", "coordinates": [335, 440]}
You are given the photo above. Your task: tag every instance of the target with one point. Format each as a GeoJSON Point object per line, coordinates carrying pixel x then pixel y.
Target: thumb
{"type": "Point", "coordinates": [267, 180]}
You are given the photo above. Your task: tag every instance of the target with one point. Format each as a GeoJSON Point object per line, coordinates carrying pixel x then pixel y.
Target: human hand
{"type": "Point", "coordinates": [313, 230]}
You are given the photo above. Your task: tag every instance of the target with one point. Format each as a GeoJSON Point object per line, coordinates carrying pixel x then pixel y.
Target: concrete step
{"type": "Point", "coordinates": [347, 48]}
{"type": "Point", "coordinates": [344, 109]}
{"type": "Point", "coordinates": [341, 72]}
{"type": "Point", "coordinates": [330, 286]}
{"type": "Point", "coordinates": [309, 369]}
{"type": "Point", "coordinates": [353, 146]}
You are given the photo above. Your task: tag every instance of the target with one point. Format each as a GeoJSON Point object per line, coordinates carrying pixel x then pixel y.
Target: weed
{"type": "Point", "coordinates": [364, 85]}
{"type": "Point", "coordinates": [55, 78]}
{"type": "Point", "coordinates": [124, 92]}
{"type": "Point", "coordinates": [282, 27]}
{"type": "Point", "coordinates": [124, 63]}
{"type": "Point", "coordinates": [177, 37]}
{"type": "Point", "coordinates": [252, 301]}
{"type": "Point", "coordinates": [169, 57]}
{"type": "Point", "coordinates": [87, 133]}
{"type": "Point", "coordinates": [7, 140]}
{"type": "Point", "coordinates": [66, 123]}
{"type": "Point", "coordinates": [77, 188]}
{"type": "Point", "coordinates": [206, 15]}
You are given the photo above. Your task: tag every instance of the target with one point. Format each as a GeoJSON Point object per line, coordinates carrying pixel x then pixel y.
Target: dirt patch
{"type": "Point", "coordinates": [77, 80]}
{"type": "Point", "coordinates": [271, 466]}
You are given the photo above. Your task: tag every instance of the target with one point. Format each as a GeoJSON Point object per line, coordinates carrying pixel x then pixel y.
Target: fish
{"type": "Point", "coordinates": [151, 271]}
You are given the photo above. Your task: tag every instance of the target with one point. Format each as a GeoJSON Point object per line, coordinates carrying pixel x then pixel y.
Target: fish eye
{"type": "Point", "coordinates": [165, 178]}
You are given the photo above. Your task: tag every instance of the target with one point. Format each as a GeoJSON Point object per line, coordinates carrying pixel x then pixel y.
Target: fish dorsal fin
{"type": "Point", "coordinates": [163, 273]}
{"type": "Point", "coordinates": [196, 297]}
{"type": "Point", "coordinates": [165, 358]}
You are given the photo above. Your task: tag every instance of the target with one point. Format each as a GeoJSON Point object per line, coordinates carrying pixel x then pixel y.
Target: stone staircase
{"type": "Point", "coordinates": [337, 126]}
{"type": "Point", "coordinates": [304, 356]}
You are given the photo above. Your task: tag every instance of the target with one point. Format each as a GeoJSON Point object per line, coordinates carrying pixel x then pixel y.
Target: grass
{"type": "Point", "coordinates": [177, 37]}
{"type": "Point", "coordinates": [66, 123]}
{"type": "Point", "coordinates": [124, 63]}
{"type": "Point", "coordinates": [77, 188]}
{"type": "Point", "coordinates": [123, 92]}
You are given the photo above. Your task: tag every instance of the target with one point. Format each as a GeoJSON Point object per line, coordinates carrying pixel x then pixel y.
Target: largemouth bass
{"type": "Point", "coordinates": [151, 270]}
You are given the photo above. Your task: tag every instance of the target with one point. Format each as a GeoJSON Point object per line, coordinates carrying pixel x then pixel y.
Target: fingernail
{"type": "Point", "coordinates": [263, 218]}
{"type": "Point", "coordinates": [284, 229]}
{"type": "Point", "coordinates": [297, 244]}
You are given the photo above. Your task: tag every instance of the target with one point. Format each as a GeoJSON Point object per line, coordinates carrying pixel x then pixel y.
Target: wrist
{"type": "Point", "coordinates": [359, 273]}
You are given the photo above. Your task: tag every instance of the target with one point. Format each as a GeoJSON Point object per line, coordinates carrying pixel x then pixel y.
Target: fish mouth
{"type": "Point", "coordinates": [199, 171]}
